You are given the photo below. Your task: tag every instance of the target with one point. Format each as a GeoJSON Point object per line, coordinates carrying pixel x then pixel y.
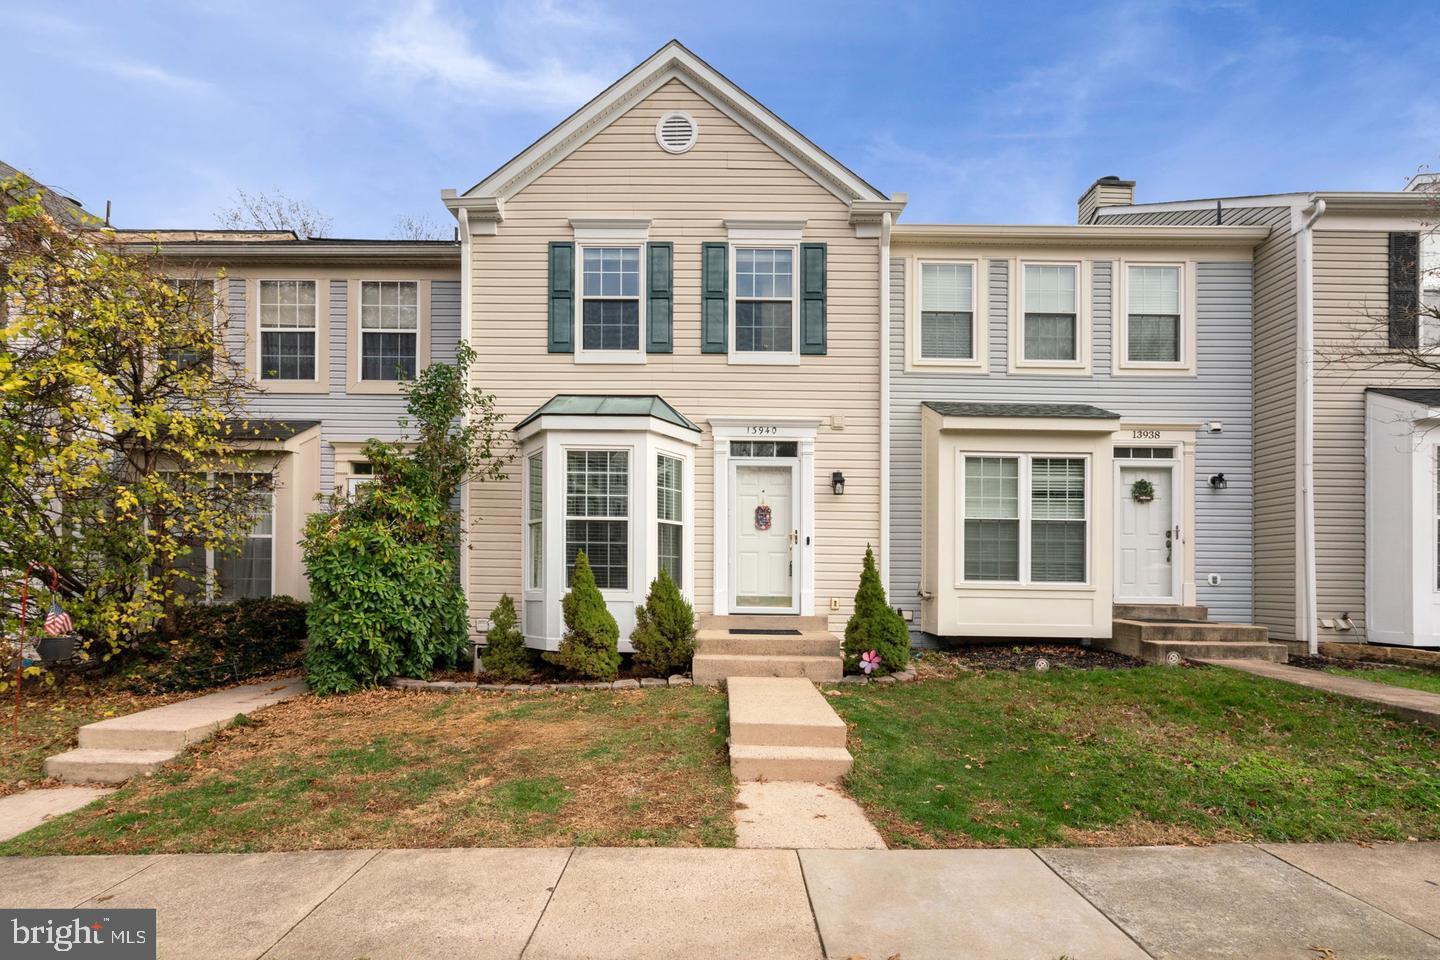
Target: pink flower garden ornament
{"type": "Point", "coordinates": [870, 661]}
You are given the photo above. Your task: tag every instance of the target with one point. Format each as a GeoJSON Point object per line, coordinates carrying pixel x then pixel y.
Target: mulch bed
{"type": "Point", "coordinates": [1022, 656]}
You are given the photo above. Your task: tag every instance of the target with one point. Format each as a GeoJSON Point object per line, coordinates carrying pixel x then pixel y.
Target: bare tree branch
{"type": "Point", "coordinates": [273, 210]}
{"type": "Point", "coordinates": [419, 228]}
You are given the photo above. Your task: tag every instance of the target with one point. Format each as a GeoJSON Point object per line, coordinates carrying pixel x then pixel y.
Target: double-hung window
{"type": "Point", "coordinates": [1153, 327]}
{"type": "Point", "coordinates": [670, 516]}
{"type": "Point", "coordinates": [248, 570]}
{"type": "Point", "coordinates": [765, 300]}
{"type": "Point", "coordinates": [1052, 312]}
{"type": "Point", "coordinates": [947, 311]}
{"type": "Point", "coordinates": [196, 300]}
{"type": "Point", "coordinates": [1026, 519]}
{"type": "Point", "coordinates": [610, 299]}
{"type": "Point", "coordinates": [1429, 325]}
{"type": "Point", "coordinates": [535, 519]}
{"type": "Point", "coordinates": [389, 329]}
{"type": "Point", "coordinates": [288, 329]}
{"type": "Point", "coordinates": [597, 515]}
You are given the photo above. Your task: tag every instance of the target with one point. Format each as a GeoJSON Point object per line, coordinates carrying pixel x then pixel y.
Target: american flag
{"type": "Point", "coordinates": [57, 621]}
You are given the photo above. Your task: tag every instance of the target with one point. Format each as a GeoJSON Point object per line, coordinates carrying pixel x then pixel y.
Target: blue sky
{"type": "Point", "coordinates": [982, 112]}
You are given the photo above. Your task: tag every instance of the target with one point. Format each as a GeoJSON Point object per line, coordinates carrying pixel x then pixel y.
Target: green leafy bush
{"type": "Point", "coordinates": [875, 625]}
{"type": "Point", "coordinates": [386, 598]}
{"type": "Point", "coordinates": [219, 643]}
{"type": "Point", "coordinates": [664, 634]}
{"type": "Point", "coordinates": [591, 645]}
{"type": "Point", "coordinates": [505, 655]}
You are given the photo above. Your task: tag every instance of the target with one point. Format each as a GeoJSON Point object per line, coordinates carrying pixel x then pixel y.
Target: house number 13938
{"type": "Point", "coordinates": [762, 431]}
{"type": "Point", "coordinates": [1144, 434]}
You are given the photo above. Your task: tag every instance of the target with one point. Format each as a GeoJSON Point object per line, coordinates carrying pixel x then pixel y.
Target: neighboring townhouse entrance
{"type": "Point", "coordinates": [765, 536]}
{"type": "Point", "coordinates": [1148, 553]}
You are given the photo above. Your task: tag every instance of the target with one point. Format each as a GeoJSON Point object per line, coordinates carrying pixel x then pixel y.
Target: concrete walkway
{"type": "Point", "coordinates": [22, 812]}
{"type": "Point", "coordinates": [1287, 902]}
{"type": "Point", "coordinates": [114, 750]}
{"type": "Point", "coordinates": [1418, 705]}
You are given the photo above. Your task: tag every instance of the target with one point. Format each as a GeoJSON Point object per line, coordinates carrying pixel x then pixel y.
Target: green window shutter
{"type": "Point", "coordinates": [812, 299]}
{"type": "Point", "coordinates": [715, 299]}
{"type": "Point", "coordinates": [1404, 282]}
{"type": "Point", "coordinates": [562, 298]}
{"type": "Point", "coordinates": [658, 306]}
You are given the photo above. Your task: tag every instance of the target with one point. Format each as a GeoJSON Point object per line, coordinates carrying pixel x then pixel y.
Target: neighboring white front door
{"type": "Point", "coordinates": [1145, 547]}
{"type": "Point", "coordinates": [764, 525]}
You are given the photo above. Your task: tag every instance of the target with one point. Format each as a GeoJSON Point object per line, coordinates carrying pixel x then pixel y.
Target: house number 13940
{"type": "Point", "coordinates": [762, 431]}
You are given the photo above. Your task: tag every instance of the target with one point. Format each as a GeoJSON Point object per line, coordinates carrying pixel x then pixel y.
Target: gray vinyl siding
{"type": "Point", "coordinates": [1220, 391]}
{"type": "Point", "coordinates": [343, 416]}
{"type": "Point", "coordinates": [1275, 403]}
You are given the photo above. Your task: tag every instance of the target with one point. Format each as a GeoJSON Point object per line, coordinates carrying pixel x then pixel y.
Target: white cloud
{"type": "Point", "coordinates": [423, 45]}
{"type": "Point", "coordinates": [153, 75]}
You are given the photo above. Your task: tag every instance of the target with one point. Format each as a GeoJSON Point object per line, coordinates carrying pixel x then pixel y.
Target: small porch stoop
{"type": "Point", "coordinates": [765, 646]}
{"type": "Point", "coordinates": [1170, 633]}
{"type": "Point", "coordinates": [781, 728]}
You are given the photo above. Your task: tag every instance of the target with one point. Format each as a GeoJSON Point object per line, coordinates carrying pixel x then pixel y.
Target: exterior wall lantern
{"type": "Point", "coordinates": [1218, 482]}
{"type": "Point", "coordinates": [837, 483]}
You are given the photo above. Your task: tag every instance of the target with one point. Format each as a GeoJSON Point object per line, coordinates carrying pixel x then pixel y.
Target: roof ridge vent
{"type": "Point", "coordinates": [676, 131]}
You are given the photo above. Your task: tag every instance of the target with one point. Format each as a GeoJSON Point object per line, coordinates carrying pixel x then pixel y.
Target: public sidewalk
{"type": "Point", "coordinates": [1338, 901]}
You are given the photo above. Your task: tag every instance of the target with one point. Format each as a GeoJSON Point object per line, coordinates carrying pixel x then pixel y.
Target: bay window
{"type": "Point", "coordinates": [764, 300]}
{"type": "Point", "coordinates": [1153, 325]}
{"type": "Point", "coordinates": [947, 311]}
{"type": "Point", "coordinates": [597, 515]}
{"type": "Point", "coordinates": [389, 330]}
{"type": "Point", "coordinates": [288, 329]}
{"type": "Point", "coordinates": [1052, 312]}
{"type": "Point", "coordinates": [1026, 515]}
{"type": "Point", "coordinates": [610, 299]}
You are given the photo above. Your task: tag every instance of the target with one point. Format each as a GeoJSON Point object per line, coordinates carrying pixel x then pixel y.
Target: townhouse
{"type": "Point", "coordinates": [721, 355]}
{"type": "Point", "coordinates": [1345, 457]}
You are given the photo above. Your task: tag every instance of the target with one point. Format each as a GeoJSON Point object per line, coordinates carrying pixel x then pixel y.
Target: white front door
{"type": "Point", "coordinates": [764, 528]}
{"type": "Point", "coordinates": [1145, 547]}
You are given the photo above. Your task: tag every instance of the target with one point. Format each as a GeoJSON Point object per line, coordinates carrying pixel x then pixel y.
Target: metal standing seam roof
{"type": "Point", "coordinates": [1429, 397]}
{"type": "Point", "coordinates": [609, 405]}
{"type": "Point", "coordinates": [1078, 411]}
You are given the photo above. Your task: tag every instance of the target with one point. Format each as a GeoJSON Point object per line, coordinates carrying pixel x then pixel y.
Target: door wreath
{"type": "Point", "coordinates": [763, 517]}
{"type": "Point", "coordinates": [1142, 491]}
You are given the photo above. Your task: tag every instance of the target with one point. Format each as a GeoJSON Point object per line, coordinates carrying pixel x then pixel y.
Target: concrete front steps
{"type": "Point", "coordinates": [781, 728]}
{"type": "Point", "coordinates": [765, 646]}
{"type": "Point", "coordinates": [1168, 634]}
{"type": "Point", "coordinates": [112, 751]}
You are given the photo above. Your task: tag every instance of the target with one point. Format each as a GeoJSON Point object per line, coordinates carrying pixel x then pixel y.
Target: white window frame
{"type": "Point", "coordinates": [1120, 327]}
{"type": "Point", "coordinates": [684, 509]}
{"type": "Point", "coordinates": [361, 331]}
{"type": "Point", "coordinates": [1429, 281]}
{"type": "Point", "coordinates": [360, 473]}
{"type": "Point", "coordinates": [1024, 520]}
{"type": "Point", "coordinates": [610, 356]}
{"type": "Point", "coordinates": [629, 518]}
{"type": "Point", "coordinates": [215, 305]}
{"type": "Point", "coordinates": [534, 497]}
{"type": "Point", "coordinates": [786, 358]}
{"type": "Point", "coordinates": [980, 340]}
{"type": "Point", "coordinates": [1083, 335]}
{"type": "Point", "coordinates": [211, 595]}
{"type": "Point", "coordinates": [273, 382]}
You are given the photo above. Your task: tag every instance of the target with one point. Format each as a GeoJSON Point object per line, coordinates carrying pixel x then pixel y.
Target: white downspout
{"type": "Point", "coordinates": [1306, 592]}
{"type": "Point", "coordinates": [887, 220]}
{"type": "Point", "coordinates": [466, 304]}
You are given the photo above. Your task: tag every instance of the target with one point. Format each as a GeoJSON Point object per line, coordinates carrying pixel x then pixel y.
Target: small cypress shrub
{"type": "Point", "coordinates": [875, 625]}
{"type": "Point", "coordinates": [664, 634]}
{"type": "Point", "coordinates": [591, 644]}
{"type": "Point", "coordinates": [505, 655]}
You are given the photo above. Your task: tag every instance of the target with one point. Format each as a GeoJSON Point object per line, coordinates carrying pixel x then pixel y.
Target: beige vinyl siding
{"type": "Point", "coordinates": [1351, 295]}
{"type": "Point", "coordinates": [1275, 377]}
{"type": "Point", "coordinates": [622, 172]}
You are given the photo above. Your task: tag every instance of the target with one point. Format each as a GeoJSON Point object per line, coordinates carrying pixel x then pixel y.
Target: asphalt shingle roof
{"type": "Point", "coordinates": [1084, 411]}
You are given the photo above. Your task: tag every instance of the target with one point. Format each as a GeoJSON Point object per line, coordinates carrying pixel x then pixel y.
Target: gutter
{"type": "Point", "coordinates": [1306, 591]}
{"type": "Point", "coordinates": [887, 221]}
{"type": "Point", "coordinates": [462, 216]}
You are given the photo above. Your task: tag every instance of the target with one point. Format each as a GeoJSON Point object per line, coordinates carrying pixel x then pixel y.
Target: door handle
{"type": "Point", "coordinates": [1169, 544]}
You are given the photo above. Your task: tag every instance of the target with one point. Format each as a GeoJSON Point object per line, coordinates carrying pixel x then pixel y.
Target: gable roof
{"type": "Point", "coordinates": [673, 61]}
{"type": "Point", "coordinates": [65, 209]}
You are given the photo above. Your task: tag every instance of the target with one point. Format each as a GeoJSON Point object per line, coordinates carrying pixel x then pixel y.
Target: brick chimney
{"type": "Point", "coordinates": [1105, 192]}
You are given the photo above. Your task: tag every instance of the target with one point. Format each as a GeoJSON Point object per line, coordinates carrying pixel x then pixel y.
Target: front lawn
{"type": "Point", "coordinates": [1411, 677]}
{"type": "Point", "coordinates": [1150, 755]}
{"type": "Point", "coordinates": [395, 769]}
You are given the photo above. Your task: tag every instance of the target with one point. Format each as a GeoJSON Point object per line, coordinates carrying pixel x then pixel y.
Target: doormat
{"type": "Point", "coordinates": [766, 633]}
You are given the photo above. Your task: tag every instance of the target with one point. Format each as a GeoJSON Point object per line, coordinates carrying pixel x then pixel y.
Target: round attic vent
{"type": "Point", "coordinates": [676, 132]}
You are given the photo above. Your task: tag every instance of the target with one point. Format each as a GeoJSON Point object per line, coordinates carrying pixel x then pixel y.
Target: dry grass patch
{"type": "Point", "coordinates": [398, 769]}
